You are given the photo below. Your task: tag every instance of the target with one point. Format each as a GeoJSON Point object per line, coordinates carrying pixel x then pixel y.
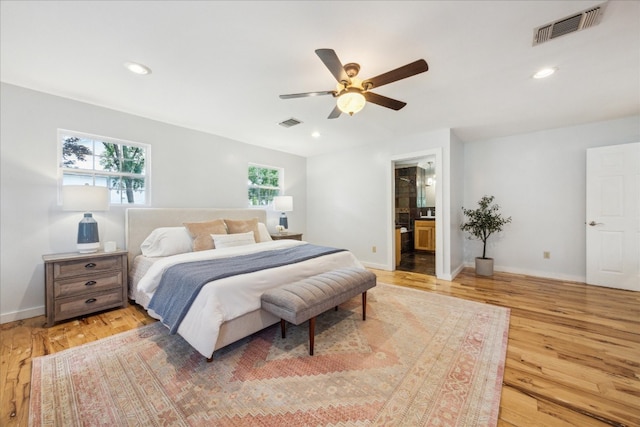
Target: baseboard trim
{"type": "Point", "coordinates": [535, 273]}
{"type": "Point", "coordinates": [21, 314]}
{"type": "Point", "coordinates": [376, 266]}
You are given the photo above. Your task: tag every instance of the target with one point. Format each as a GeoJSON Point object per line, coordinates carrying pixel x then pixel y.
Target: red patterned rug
{"type": "Point", "coordinates": [420, 359]}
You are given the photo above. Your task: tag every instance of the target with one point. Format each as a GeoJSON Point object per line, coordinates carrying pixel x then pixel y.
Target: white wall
{"type": "Point", "coordinates": [456, 179]}
{"type": "Point", "coordinates": [539, 180]}
{"type": "Point", "coordinates": [351, 202]}
{"type": "Point", "coordinates": [342, 199]}
{"type": "Point", "coordinates": [189, 169]}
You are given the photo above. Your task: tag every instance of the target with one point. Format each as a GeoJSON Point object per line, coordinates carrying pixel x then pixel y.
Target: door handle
{"type": "Point", "coordinates": [593, 223]}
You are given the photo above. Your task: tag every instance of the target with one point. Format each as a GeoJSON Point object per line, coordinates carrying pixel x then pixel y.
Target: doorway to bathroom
{"type": "Point", "coordinates": [415, 184]}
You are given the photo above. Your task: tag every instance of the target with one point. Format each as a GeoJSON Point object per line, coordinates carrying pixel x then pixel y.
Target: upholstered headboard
{"type": "Point", "coordinates": [140, 222]}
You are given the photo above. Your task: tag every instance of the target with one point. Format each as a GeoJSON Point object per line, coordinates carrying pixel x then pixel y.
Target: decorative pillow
{"type": "Point", "coordinates": [264, 234]}
{"type": "Point", "coordinates": [202, 231]}
{"type": "Point", "coordinates": [230, 240]}
{"type": "Point", "coordinates": [166, 241]}
{"type": "Point", "coordinates": [242, 226]}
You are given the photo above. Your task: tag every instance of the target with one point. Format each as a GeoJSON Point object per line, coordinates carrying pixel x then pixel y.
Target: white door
{"type": "Point", "coordinates": [613, 216]}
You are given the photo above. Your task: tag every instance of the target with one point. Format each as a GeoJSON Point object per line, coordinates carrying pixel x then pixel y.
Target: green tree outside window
{"type": "Point", "coordinates": [119, 166]}
{"type": "Point", "coordinates": [264, 184]}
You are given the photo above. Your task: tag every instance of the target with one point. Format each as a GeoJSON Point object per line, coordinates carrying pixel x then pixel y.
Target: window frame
{"type": "Point", "coordinates": [94, 173]}
{"type": "Point", "coordinates": [280, 186]}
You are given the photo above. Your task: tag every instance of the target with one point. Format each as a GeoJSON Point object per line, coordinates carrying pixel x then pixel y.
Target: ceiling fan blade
{"type": "Point", "coordinates": [335, 113]}
{"type": "Point", "coordinates": [383, 101]}
{"type": "Point", "coordinates": [416, 67]}
{"type": "Point", "coordinates": [331, 61]}
{"type": "Point", "coordinates": [306, 94]}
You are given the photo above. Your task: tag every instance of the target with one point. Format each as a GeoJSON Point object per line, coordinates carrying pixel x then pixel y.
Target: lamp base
{"type": "Point", "coordinates": [87, 248]}
{"type": "Point", "coordinates": [88, 239]}
{"type": "Point", "coordinates": [284, 221]}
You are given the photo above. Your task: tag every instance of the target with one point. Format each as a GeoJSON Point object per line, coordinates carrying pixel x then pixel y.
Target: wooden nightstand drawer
{"type": "Point", "coordinates": [65, 269]}
{"type": "Point", "coordinates": [88, 284]}
{"type": "Point", "coordinates": [77, 306]}
{"type": "Point", "coordinates": [80, 284]}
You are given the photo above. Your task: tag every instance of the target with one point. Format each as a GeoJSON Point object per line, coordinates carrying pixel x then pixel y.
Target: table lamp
{"type": "Point", "coordinates": [283, 204]}
{"type": "Point", "coordinates": [87, 199]}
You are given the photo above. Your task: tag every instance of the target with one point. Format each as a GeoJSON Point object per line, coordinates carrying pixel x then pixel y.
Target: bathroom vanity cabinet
{"type": "Point", "coordinates": [425, 235]}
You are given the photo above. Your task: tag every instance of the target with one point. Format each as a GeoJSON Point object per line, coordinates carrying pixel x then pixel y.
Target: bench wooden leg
{"type": "Point", "coordinates": [364, 305]}
{"type": "Point", "coordinates": [312, 334]}
{"type": "Point", "coordinates": [283, 327]}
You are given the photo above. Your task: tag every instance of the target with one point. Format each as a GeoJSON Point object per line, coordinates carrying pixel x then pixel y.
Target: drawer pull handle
{"type": "Point", "coordinates": [90, 283]}
{"type": "Point", "coordinates": [90, 300]}
{"type": "Point", "coordinates": [90, 265]}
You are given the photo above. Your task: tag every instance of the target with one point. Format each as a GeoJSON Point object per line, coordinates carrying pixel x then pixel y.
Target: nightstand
{"type": "Point", "coordinates": [79, 284]}
{"type": "Point", "coordinates": [282, 236]}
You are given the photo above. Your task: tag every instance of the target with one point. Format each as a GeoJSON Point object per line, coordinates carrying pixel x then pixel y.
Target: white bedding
{"type": "Point", "coordinates": [232, 297]}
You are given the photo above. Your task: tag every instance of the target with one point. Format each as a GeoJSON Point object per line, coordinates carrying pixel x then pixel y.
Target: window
{"type": "Point", "coordinates": [122, 166]}
{"type": "Point", "coordinates": [265, 182]}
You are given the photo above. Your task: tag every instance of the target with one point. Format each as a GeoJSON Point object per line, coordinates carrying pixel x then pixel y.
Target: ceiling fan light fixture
{"type": "Point", "coordinates": [351, 101]}
{"type": "Point", "coordinates": [353, 93]}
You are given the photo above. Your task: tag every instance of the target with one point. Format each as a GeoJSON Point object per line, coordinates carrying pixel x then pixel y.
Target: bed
{"type": "Point", "coordinates": [227, 309]}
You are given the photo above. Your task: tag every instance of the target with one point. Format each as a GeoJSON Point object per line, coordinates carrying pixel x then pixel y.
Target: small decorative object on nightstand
{"type": "Point", "coordinates": [81, 284]}
{"type": "Point", "coordinates": [286, 235]}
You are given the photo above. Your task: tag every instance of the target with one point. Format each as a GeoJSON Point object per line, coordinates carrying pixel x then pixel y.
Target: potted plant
{"type": "Point", "coordinates": [482, 223]}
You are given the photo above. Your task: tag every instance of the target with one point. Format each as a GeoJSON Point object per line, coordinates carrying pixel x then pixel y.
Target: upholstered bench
{"type": "Point", "coordinates": [303, 300]}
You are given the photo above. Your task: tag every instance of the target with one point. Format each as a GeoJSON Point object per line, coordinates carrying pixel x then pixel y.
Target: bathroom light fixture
{"type": "Point", "coordinates": [545, 72]}
{"type": "Point", "coordinates": [315, 134]}
{"type": "Point", "coordinates": [430, 180]}
{"type": "Point", "coordinates": [137, 68]}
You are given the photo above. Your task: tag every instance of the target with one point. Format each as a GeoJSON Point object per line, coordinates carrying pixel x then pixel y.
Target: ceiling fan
{"type": "Point", "coordinates": [352, 92]}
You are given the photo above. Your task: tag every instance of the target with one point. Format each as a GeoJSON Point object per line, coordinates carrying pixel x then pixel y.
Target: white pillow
{"type": "Point", "coordinates": [230, 240]}
{"type": "Point", "coordinates": [166, 241]}
{"type": "Point", "coordinates": [265, 236]}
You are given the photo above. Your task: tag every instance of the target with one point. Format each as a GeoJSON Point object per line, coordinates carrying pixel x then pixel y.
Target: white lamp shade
{"type": "Point", "coordinates": [283, 203]}
{"type": "Point", "coordinates": [85, 198]}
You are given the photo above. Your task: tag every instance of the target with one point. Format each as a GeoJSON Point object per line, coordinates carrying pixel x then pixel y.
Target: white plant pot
{"type": "Point", "coordinates": [484, 266]}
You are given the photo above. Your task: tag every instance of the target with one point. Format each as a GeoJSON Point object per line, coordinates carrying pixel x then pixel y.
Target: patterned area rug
{"type": "Point", "coordinates": [420, 359]}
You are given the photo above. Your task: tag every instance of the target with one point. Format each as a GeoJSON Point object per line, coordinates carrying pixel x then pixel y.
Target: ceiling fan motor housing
{"type": "Point", "coordinates": [352, 69]}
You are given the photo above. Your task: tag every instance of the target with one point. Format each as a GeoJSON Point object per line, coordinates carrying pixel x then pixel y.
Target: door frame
{"type": "Point", "coordinates": [440, 220]}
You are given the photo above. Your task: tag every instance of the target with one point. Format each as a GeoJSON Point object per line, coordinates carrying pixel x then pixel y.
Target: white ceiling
{"type": "Point", "coordinates": [220, 66]}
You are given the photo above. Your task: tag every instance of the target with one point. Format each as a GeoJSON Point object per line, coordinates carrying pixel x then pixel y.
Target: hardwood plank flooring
{"type": "Point", "coordinates": [573, 357]}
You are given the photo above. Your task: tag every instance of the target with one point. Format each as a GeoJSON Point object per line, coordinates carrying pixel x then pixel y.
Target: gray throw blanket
{"type": "Point", "coordinates": [180, 284]}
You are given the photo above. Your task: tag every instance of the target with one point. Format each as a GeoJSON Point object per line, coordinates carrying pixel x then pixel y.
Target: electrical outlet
{"type": "Point", "coordinates": [546, 255]}
{"type": "Point", "coordinates": [373, 249]}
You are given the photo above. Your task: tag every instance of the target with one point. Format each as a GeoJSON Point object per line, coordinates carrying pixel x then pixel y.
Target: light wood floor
{"type": "Point", "coordinates": [573, 356]}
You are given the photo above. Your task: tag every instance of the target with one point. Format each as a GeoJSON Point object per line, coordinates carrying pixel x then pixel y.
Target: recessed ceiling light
{"type": "Point", "coordinates": [315, 134]}
{"type": "Point", "coordinates": [545, 72]}
{"type": "Point", "coordinates": [136, 68]}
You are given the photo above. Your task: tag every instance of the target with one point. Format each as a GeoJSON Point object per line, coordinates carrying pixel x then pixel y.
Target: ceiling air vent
{"type": "Point", "coordinates": [570, 24]}
{"type": "Point", "coordinates": [290, 122]}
